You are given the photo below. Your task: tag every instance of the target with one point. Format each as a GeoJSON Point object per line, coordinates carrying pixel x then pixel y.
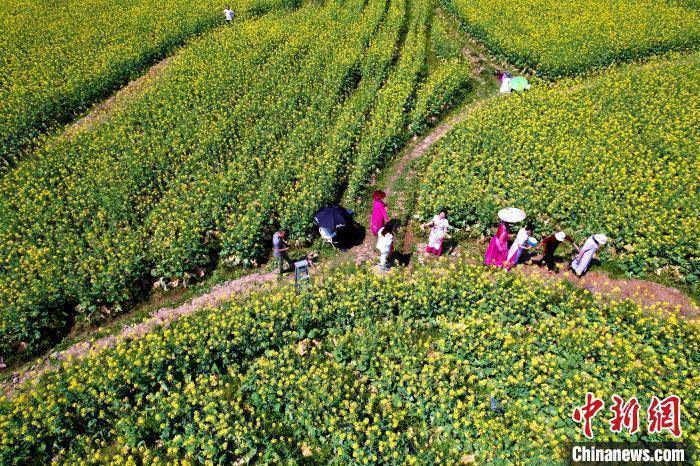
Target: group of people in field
{"type": "Point", "coordinates": [501, 252]}
{"type": "Point", "coordinates": [504, 249]}
{"type": "Point", "coordinates": [382, 227]}
{"type": "Point", "coordinates": [507, 82]}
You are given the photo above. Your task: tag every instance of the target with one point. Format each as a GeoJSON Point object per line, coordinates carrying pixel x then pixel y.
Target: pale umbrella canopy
{"type": "Point", "coordinates": [511, 215]}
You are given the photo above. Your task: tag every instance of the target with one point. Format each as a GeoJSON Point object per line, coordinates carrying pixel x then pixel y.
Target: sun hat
{"type": "Point", "coordinates": [560, 236]}
{"type": "Point", "coordinates": [600, 238]}
{"type": "Point", "coordinates": [511, 215]}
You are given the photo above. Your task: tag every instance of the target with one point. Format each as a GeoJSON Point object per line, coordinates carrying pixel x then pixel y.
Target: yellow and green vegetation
{"type": "Point", "coordinates": [446, 41]}
{"type": "Point", "coordinates": [446, 85]}
{"type": "Point", "coordinates": [566, 37]}
{"type": "Point", "coordinates": [249, 128]}
{"type": "Point", "coordinates": [449, 78]}
{"type": "Point", "coordinates": [57, 58]}
{"type": "Point", "coordinates": [616, 154]}
{"type": "Point", "coordinates": [361, 369]}
{"type": "Point", "coordinates": [252, 127]}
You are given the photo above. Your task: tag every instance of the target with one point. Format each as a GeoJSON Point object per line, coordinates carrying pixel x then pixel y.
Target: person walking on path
{"type": "Point", "coordinates": [379, 214]}
{"type": "Point", "coordinates": [498, 247]}
{"type": "Point", "coordinates": [583, 259]}
{"type": "Point", "coordinates": [520, 243]}
{"type": "Point", "coordinates": [280, 248]}
{"type": "Point", "coordinates": [497, 251]}
{"type": "Point", "coordinates": [439, 226]}
{"type": "Point", "coordinates": [385, 242]}
{"type": "Point", "coordinates": [228, 14]}
{"type": "Point", "coordinates": [549, 246]}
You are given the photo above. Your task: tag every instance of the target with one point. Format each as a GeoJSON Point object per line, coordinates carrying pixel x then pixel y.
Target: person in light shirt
{"type": "Point", "coordinates": [385, 240]}
{"type": "Point", "coordinates": [504, 79]}
{"type": "Point", "coordinates": [521, 242]}
{"type": "Point", "coordinates": [583, 259]}
{"type": "Point", "coordinates": [228, 13]}
{"type": "Point", "coordinates": [279, 250]}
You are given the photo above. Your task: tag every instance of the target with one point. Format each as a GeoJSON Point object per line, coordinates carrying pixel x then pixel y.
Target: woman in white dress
{"type": "Point", "coordinates": [439, 226]}
{"type": "Point", "coordinates": [516, 249]}
{"type": "Point", "coordinates": [583, 258]}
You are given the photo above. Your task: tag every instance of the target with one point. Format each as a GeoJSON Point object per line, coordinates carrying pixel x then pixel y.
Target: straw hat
{"type": "Point", "coordinates": [560, 236]}
{"type": "Point", "coordinates": [511, 215]}
{"type": "Point", "coordinates": [600, 238]}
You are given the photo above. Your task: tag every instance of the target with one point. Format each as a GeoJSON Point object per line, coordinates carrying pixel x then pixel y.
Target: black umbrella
{"type": "Point", "coordinates": [331, 217]}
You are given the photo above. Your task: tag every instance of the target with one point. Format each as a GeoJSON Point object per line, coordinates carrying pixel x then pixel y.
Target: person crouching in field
{"type": "Point", "coordinates": [583, 259]}
{"type": "Point", "coordinates": [280, 248]}
{"type": "Point", "coordinates": [549, 246]}
{"type": "Point", "coordinates": [439, 226]}
{"type": "Point", "coordinates": [504, 80]}
{"type": "Point", "coordinates": [385, 244]}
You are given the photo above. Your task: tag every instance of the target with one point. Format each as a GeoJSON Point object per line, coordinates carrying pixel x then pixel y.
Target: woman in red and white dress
{"type": "Point", "coordinates": [439, 226]}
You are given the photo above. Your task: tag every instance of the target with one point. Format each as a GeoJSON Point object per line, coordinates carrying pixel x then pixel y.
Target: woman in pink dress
{"type": "Point", "coordinates": [379, 214]}
{"type": "Point", "coordinates": [498, 247]}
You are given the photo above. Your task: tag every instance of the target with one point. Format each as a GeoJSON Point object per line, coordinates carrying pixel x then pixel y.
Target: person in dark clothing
{"type": "Point", "coordinates": [549, 246]}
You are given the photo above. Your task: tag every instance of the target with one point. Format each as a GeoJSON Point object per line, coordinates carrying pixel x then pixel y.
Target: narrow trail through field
{"type": "Point", "coordinates": [161, 317]}
{"type": "Point", "coordinates": [485, 88]}
{"type": "Point", "coordinates": [400, 170]}
{"type": "Point", "coordinates": [643, 292]}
